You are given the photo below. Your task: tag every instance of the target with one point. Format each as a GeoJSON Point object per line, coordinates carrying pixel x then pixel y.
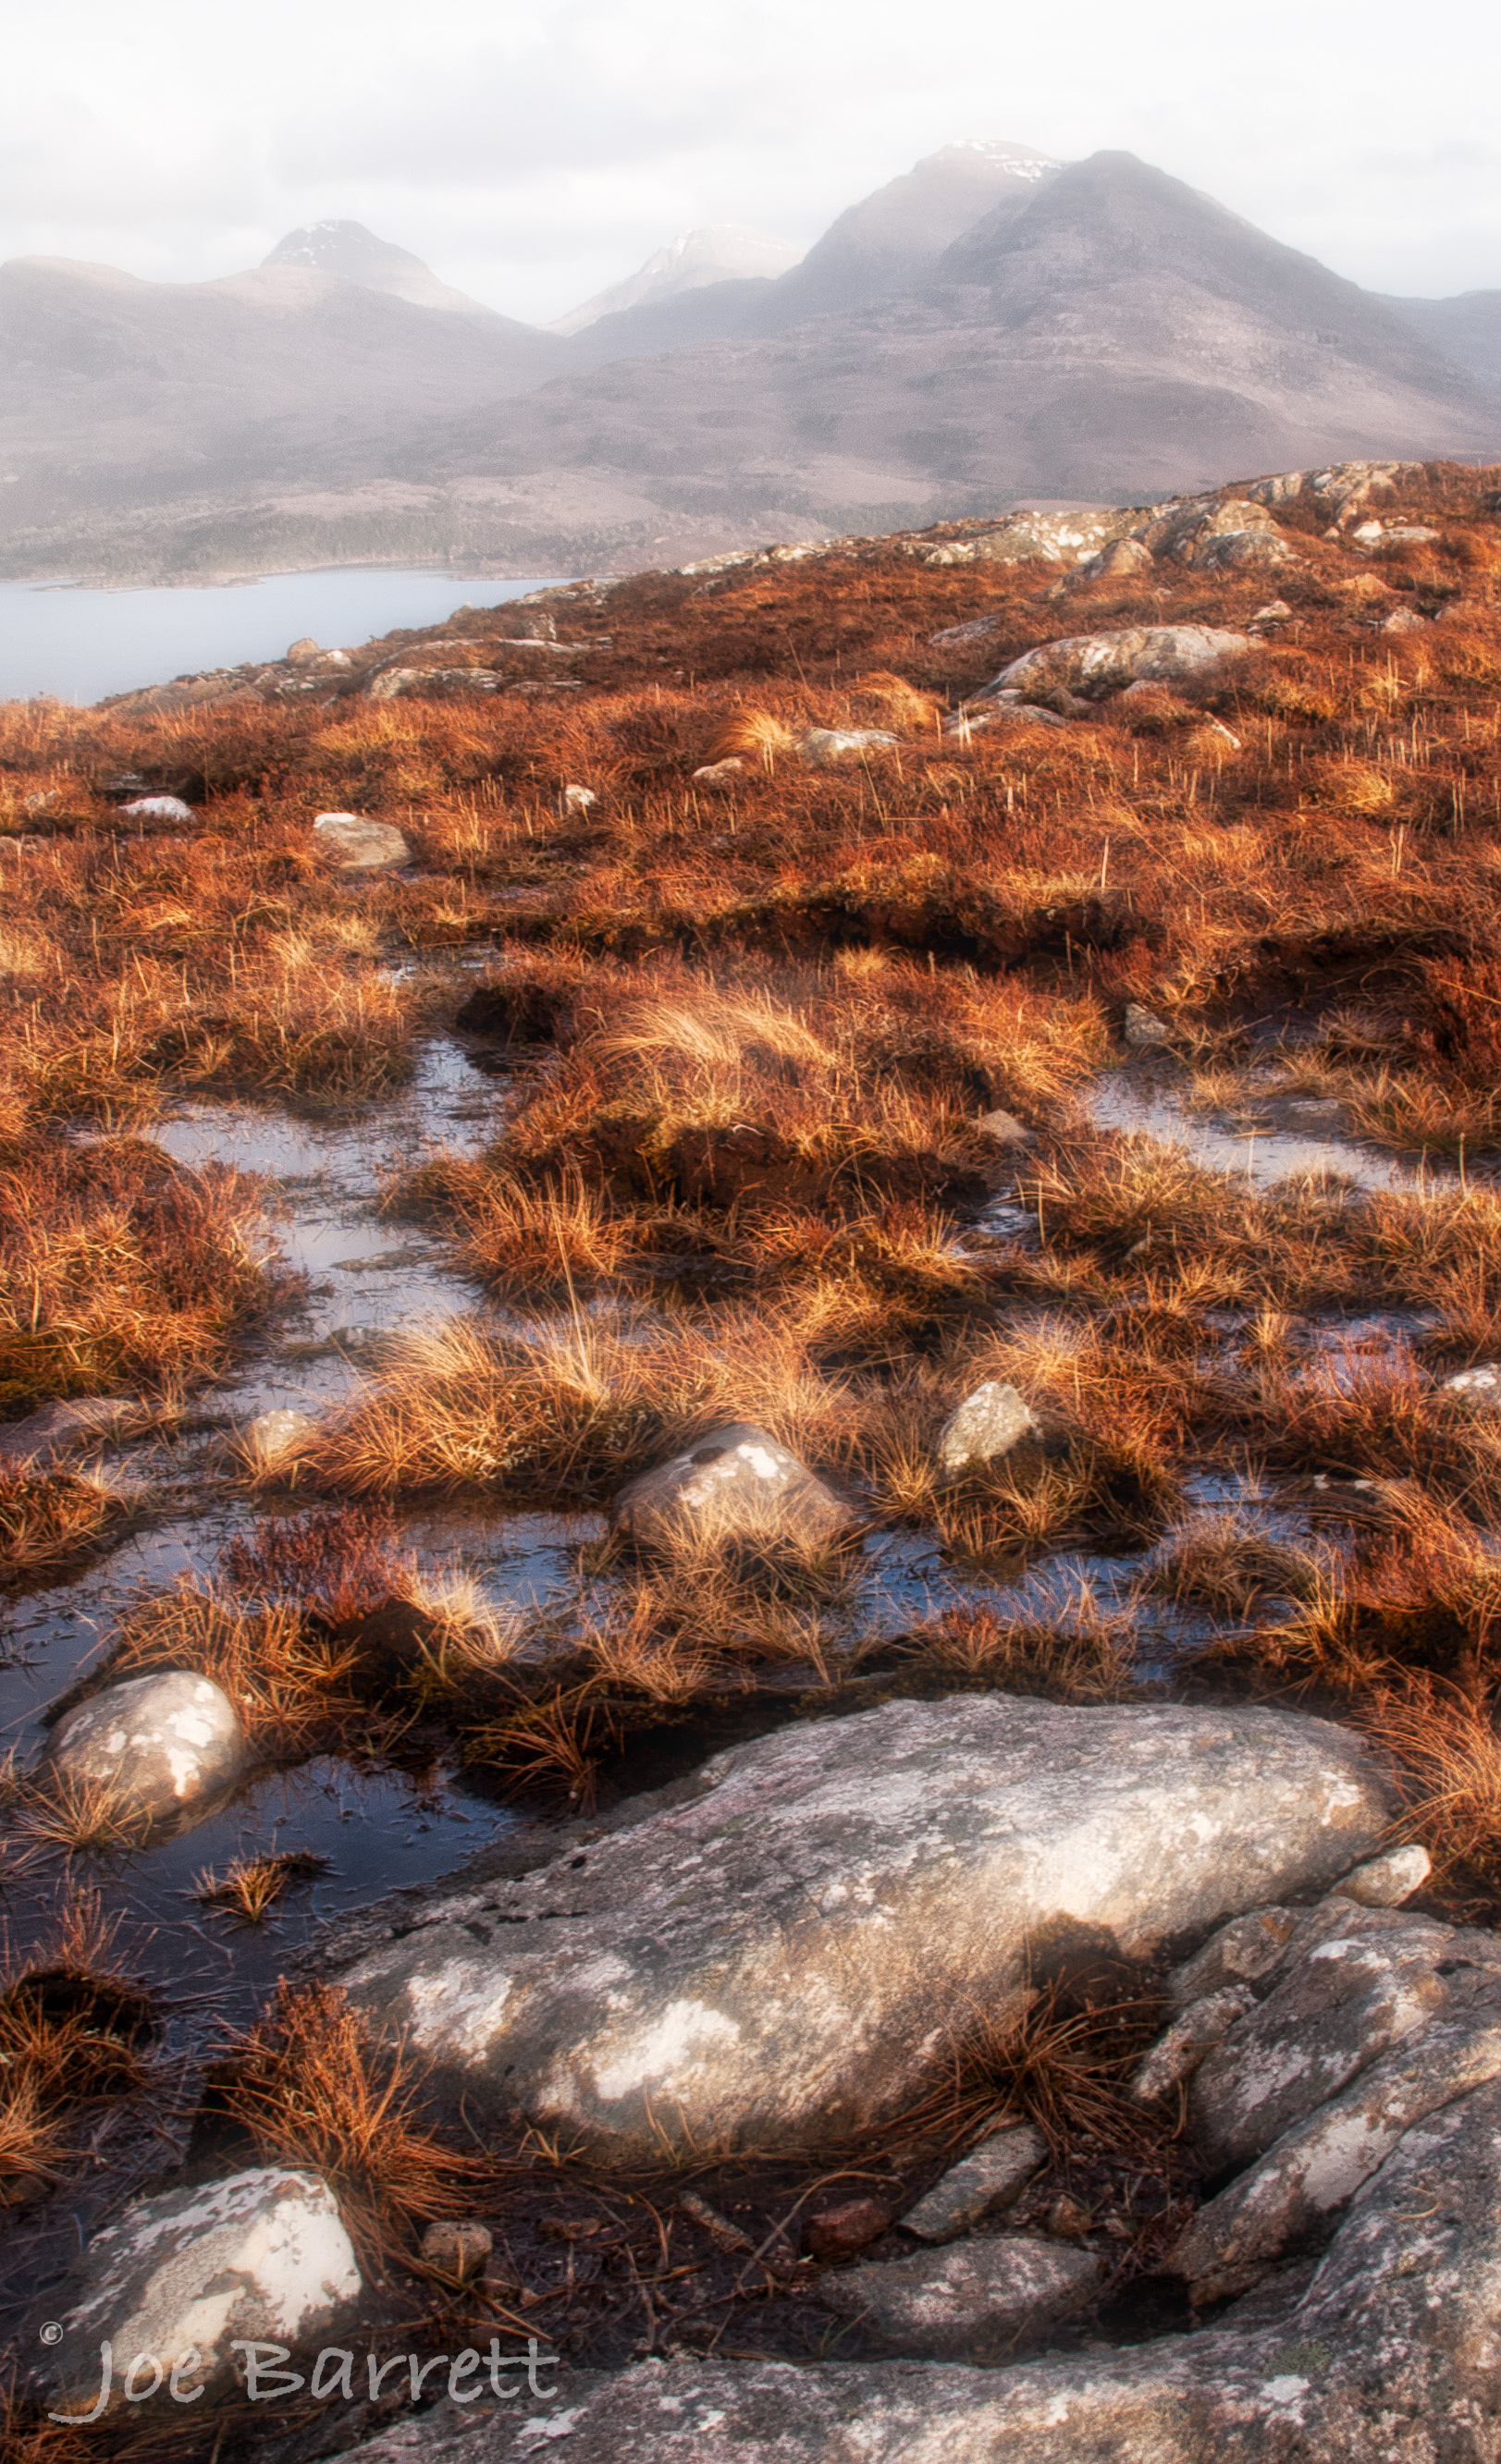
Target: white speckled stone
{"type": "Point", "coordinates": [166, 1745]}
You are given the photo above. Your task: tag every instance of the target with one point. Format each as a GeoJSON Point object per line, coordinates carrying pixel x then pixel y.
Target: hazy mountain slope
{"type": "Point", "coordinates": [1468, 327]}
{"type": "Point", "coordinates": [1118, 333]}
{"type": "Point", "coordinates": [116, 391]}
{"type": "Point", "coordinates": [351, 253]}
{"type": "Point", "coordinates": [719, 252]}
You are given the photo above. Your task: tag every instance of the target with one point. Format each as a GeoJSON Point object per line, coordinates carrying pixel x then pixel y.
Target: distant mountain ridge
{"type": "Point", "coordinates": [719, 252]}
{"type": "Point", "coordinates": [992, 327]}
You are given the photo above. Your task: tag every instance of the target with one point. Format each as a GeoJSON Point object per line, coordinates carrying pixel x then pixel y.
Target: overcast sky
{"type": "Point", "coordinates": [534, 150]}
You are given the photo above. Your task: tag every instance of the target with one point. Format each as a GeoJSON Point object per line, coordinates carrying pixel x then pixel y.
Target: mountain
{"type": "Point", "coordinates": [1468, 327]}
{"type": "Point", "coordinates": [719, 252]}
{"type": "Point", "coordinates": [348, 253]}
{"type": "Point", "coordinates": [990, 328]}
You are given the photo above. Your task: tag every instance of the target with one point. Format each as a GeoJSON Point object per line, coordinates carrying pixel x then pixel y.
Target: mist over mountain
{"type": "Point", "coordinates": [992, 327]}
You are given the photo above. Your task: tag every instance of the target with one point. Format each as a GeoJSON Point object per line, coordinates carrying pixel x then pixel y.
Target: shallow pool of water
{"type": "Point", "coordinates": [80, 643]}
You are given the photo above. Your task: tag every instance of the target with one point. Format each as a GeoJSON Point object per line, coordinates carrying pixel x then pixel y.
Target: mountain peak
{"type": "Point", "coordinates": [351, 253]}
{"type": "Point", "coordinates": [716, 253]}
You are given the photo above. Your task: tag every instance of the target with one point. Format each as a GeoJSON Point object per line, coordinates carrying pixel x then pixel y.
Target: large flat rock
{"type": "Point", "coordinates": [791, 1952]}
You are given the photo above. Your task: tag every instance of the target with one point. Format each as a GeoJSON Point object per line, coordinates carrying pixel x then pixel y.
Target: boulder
{"type": "Point", "coordinates": [1367, 1983]}
{"type": "Point", "coordinates": [396, 684]}
{"type": "Point", "coordinates": [1094, 665]}
{"type": "Point", "coordinates": [1058, 539]}
{"type": "Point", "coordinates": [1116, 561]}
{"type": "Point", "coordinates": [359, 845]}
{"type": "Point", "coordinates": [166, 1746]}
{"type": "Point", "coordinates": [975, 2300]}
{"type": "Point", "coordinates": [1386, 1881]}
{"type": "Point", "coordinates": [989, 2179]}
{"type": "Point", "coordinates": [734, 1482]}
{"type": "Point", "coordinates": [262, 2257]}
{"type": "Point", "coordinates": [791, 1954]}
{"type": "Point", "coordinates": [818, 747]}
{"type": "Point", "coordinates": [1388, 2352]}
{"type": "Point", "coordinates": [302, 653]}
{"type": "Point", "coordinates": [989, 1425]}
{"type": "Point", "coordinates": [1220, 537]}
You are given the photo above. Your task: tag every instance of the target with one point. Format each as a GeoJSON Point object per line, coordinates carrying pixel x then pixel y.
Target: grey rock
{"type": "Point", "coordinates": [1315, 2170]}
{"type": "Point", "coordinates": [1385, 1881]}
{"type": "Point", "coordinates": [443, 683]}
{"type": "Point", "coordinates": [1404, 620]}
{"type": "Point", "coordinates": [359, 845]}
{"type": "Point", "coordinates": [166, 1746]}
{"type": "Point", "coordinates": [818, 747]}
{"type": "Point", "coordinates": [736, 1483]}
{"type": "Point", "coordinates": [1248, 1947]}
{"type": "Point", "coordinates": [792, 1952]}
{"type": "Point", "coordinates": [302, 653]}
{"type": "Point", "coordinates": [1096, 664]}
{"type": "Point", "coordinates": [1330, 2015]}
{"type": "Point", "coordinates": [1276, 612]}
{"type": "Point", "coordinates": [159, 808]}
{"type": "Point", "coordinates": [1144, 1031]}
{"type": "Point", "coordinates": [1182, 2046]}
{"type": "Point", "coordinates": [273, 1441]}
{"type": "Point", "coordinates": [1479, 1387]}
{"type": "Point", "coordinates": [993, 2176]}
{"type": "Point", "coordinates": [63, 1429]}
{"type": "Point", "coordinates": [1005, 1128]}
{"type": "Point", "coordinates": [262, 2256]}
{"type": "Point", "coordinates": [989, 1425]}
{"type": "Point", "coordinates": [1117, 560]}
{"type": "Point", "coordinates": [1234, 533]}
{"type": "Point", "coordinates": [725, 775]}
{"type": "Point", "coordinates": [1389, 2352]}
{"type": "Point", "coordinates": [975, 2300]}
{"type": "Point", "coordinates": [1056, 538]}
{"type": "Point", "coordinates": [577, 800]}
{"type": "Point", "coordinates": [959, 637]}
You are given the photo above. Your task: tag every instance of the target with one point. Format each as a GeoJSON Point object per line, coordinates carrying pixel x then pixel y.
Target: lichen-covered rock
{"type": "Point", "coordinates": [1220, 537]}
{"type": "Point", "coordinates": [734, 1482]}
{"type": "Point", "coordinates": [1390, 2353]}
{"type": "Point", "coordinates": [791, 1954]}
{"type": "Point", "coordinates": [396, 684]}
{"type": "Point", "coordinates": [989, 1425]}
{"type": "Point", "coordinates": [1094, 665]}
{"type": "Point", "coordinates": [1250, 1947]}
{"type": "Point", "coordinates": [176, 2280]}
{"type": "Point", "coordinates": [166, 1746]}
{"type": "Point", "coordinates": [1384, 1881]}
{"type": "Point", "coordinates": [975, 2300]}
{"type": "Point", "coordinates": [993, 2176]}
{"type": "Point", "coordinates": [1184, 2045]}
{"type": "Point", "coordinates": [1332, 2013]}
{"type": "Point", "coordinates": [158, 809]}
{"type": "Point", "coordinates": [358, 845]}
{"type": "Point", "coordinates": [817, 747]}
{"type": "Point", "coordinates": [1479, 1387]}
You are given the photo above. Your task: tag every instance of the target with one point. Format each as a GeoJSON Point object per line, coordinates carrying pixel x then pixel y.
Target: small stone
{"type": "Point", "coordinates": [158, 809]}
{"type": "Point", "coordinates": [361, 846]}
{"type": "Point", "coordinates": [838, 2233]}
{"type": "Point", "coordinates": [1247, 1948]}
{"type": "Point", "coordinates": [458, 2247]}
{"type": "Point", "coordinates": [276, 1440]}
{"type": "Point", "coordinates": [1479, 1387]}
{"type": "Point", "coordinates": [1403, 619]}
{"type": "Point", "coordinates": [817, 747]}
{"type": "Point", "coordinates": [302, 654]}
{"type": "Point", "coordinates": [1144, 1031]}
{"type": "Point", "coordinates": [971, 2301]}
{"type": "Point", "coordinates": [1195, 2032]}
{"type": "Point", "coordinates": [736, 1483]}
{"type": "Point", "coordinates": [1385, 1881]}
{"type": "Point", "coordinates": [988, 1424]}
{"type": "Point", "coordinates": [262, 2257]}
{"type": "Point", "coordinates": [165, 1745]}
{"type": "Point", "coordinates": [1276, 612]}
{"type": "Point", "coordinates": [1005, 1128]}
{"type": "Point", "coordinates": [990, 2177]}
{"type": "Point", "coordinates": [721, 774]}
{"type": "Point", "coordinates": [577, 800]}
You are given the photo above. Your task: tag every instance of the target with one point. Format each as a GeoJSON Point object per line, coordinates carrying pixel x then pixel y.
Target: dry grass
{"type": "Point", "coordinates": [1079, 1653]}
{"type": "Point", "coordinates": [70, 2020]}
{"type": "Point", "coordinates": [48, 1519]}
{"type": "Point", "coordinates": [1447, 1747]}
{"type": "Point", "coordinates": [250, 1886]}
{"type": "Point", "coordinates": [289, 1683]}
{"type": "Point", "coordinates": [310, 2089]}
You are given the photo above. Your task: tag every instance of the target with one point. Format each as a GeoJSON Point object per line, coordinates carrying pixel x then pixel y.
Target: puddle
{"type": "Point", "coordinates": [1261, 1156]}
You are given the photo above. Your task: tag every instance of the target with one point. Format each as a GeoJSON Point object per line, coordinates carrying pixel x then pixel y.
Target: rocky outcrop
{"type": "Point", "coordinates": [737, 1483]}
{"type": "Point", "coordinates": [165, 1747]}
{"type": "Point", "coordinates": [1389, 2352]}
{"type": "Point", "coordinates": [263, 2255]}
{"type": "Point", "coordinates": [359, 845]}
{"type": "Point", "coordinates": [818, 747]}
{"type": "Point", "coordinates": [1095, 665]}
{"type": "Point", "coordinates": [444, 684]}
{"type": "Point", "coordinates": [794, 1951]}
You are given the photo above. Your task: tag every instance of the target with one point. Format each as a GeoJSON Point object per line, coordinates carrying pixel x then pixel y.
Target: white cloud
{"type": "Point", "coordinates": [533, 150]}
